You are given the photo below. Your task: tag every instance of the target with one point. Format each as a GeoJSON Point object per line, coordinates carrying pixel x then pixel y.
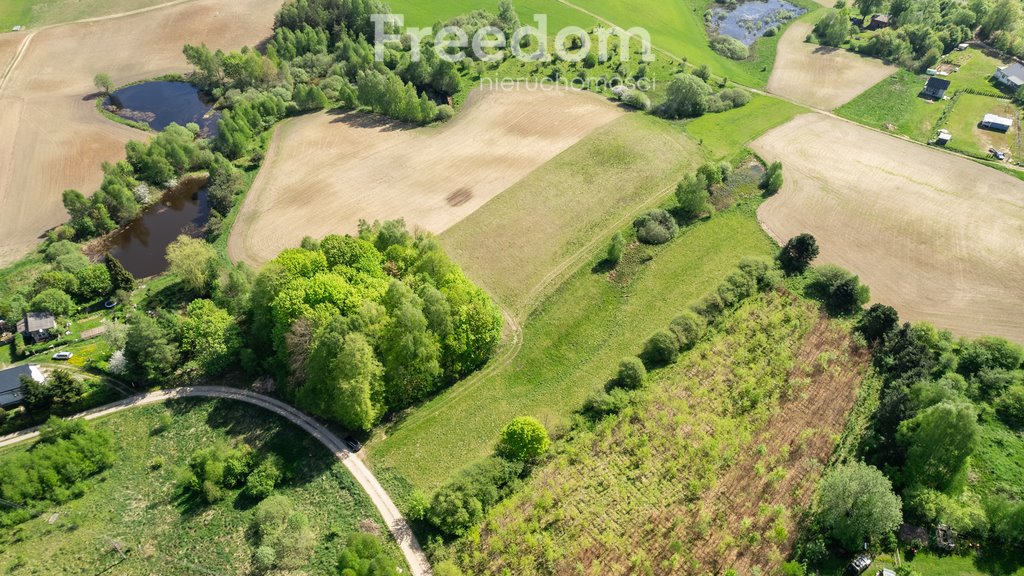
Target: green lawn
{"type": "Point", "coordinates": [929, 564]}
{"type": "Point", "coordinates": [45, 12]}
{"type": "Point", "coordinates": [724, 134]}
{"type": "Point", "coordinates": [137, 503]}
{"type": "Point", "coordinates": [15, 13]}
{"type": "Point", "coordinates": [570, 346]}
{"type": "Point", "coordinates": [975, 70]}
{"type": "Point", "coordinates": [894, 105]}
{"type": "Point", "coordinates": [997, 462]}
{"type": "Point", "coordinates": [963, 121]}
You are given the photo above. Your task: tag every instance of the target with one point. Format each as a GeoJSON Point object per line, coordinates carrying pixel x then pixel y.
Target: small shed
{"type": "Point", "coordinates": [943, 138]}
{"type": "Point", "coordinates": [876, 22]}
{"type": "Point", "coordinates": [935, 88]}
{"type": "Point", "coordinates": [996, 123]}
{"type": "Point", "coordinates": [1011, 75]}
{"type": "Point", "coordinates": [10, 383]}
{"type": "Point", "coordinates": [17, 29]}
{"type": "Point", "coordinates": [37, 326]}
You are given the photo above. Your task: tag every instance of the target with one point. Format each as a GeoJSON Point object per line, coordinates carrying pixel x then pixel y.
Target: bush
{"type": "Point", "coordinates": [459, 505]}
{"type": "Point", "coordinates": [604, 402]}
{"type": "Point", "coordinates": [798, 253]}
{"type": "Point", "coordinates": [636, 99]}
{"type": "Point", "coordinates": [260, 483]}
{"type": "Point", "coordinates": [615, 249]}
{"type": "Point", "coordinates": [729, 47]}
{"type": "Point", "coordinates": [687, 97]}
{"type": "Point", "coordinates": [1010, 406]}
{"type": "Point", "coordinates": [661, 349]}
{"type": "Point", "coordinates": [655, 227]}
{"type": "Point", "coordinates": [688, 328]}
{"type": "Point", "coordinates": [841, 291]}
{"type": "Point", "coordinates": [283, 530]}
{"type": "Point", "coordinates": [692, 197]}
{"type": "Point", "coordinates": [631, 373]}
{"type": "Point", "coordinates": [772, 180]}
{"type": "Point", "coordinates": [364, 555]}
{"type": "Point", "coordinates": [524, 439]}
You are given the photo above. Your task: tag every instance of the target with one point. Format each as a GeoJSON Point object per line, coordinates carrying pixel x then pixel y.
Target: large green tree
{"type": "Point", "coordinates": [195, 261]}
{"type": "Point", "coordinates": [523, 439]}
{"type": "Point", "coordinates": [410, 352]}
{"type": "Point", "coordinates": [345, 379]}
{"type": "Point", "coordinates": [149, 353]}
{"type": "Point", "coordinates": [939, 440]}
{"type": "Point", "coordinates": [856, 503]}
{"type": "Point", "coordinates": [209, 335]}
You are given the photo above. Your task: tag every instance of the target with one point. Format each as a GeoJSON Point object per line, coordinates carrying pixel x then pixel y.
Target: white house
{"type": "Point", "coordinates": [1011, 75]}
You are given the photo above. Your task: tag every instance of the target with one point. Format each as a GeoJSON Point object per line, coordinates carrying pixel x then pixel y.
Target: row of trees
{"type": "Point", "coordinates": [690, 96]}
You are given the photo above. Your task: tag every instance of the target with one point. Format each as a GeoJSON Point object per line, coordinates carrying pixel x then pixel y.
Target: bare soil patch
{"type": "Point", "coordinates": [325, 172]}
{"type": "Point", "coordinates": [53, 137]}
{"type": "Point", "coordinates": [939, 237]}
{"type": "Point", "coordinates": [820, 76]}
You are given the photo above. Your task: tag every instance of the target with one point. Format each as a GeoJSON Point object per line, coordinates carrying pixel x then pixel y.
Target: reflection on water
{"type": "Point", "coordinates": [161, 103]}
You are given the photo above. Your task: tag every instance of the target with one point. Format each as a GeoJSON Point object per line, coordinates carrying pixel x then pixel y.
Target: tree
{"type": "Point", "coordinates": [687, 97]}
{"type": "Point", "coordinates": [869, 7]}
{"type": "Point", "coordinates": [103, 82]}
{"type": "Point", "coordinates": [692, 197]}
{"type": "Point", "coordinates": [345, 380]}
{"type": "Point", "coordinates": [615, 249]}
{"type": "Point", "coordinates": [93, 282]}
{"type": "Point", "coordinates": [661, 349]}
{"type": "Point", "coordinates": [149, 354]}
{"type": "Point", "coordinates": [364, 555]}
{"type": "Point", "coordinates": [840, 290]}
{"type": "Point", "coordinates": [798, 253]}
{"type": "Point", "coordinates": [209, 335]}
{"type": "Point", "coordinates": [1004, 16]}
{"type": "Point", "coordinates": [119, 277]}
{"type": "Point", "coordinates": [524, 439]}
{"type": "Point", "coordinates": [1010, 406]}
{"type": "Point", "coordinates": [260, 483]}
{"type": "Point", "coordinates": [54, 301]}
{"type": "Point", "coordinates": [834, 28]}
{"type": "Point", "coordinates": [856, 503]}
{"type": "Point", "coordinates": [771, 182]}
{"type": "Point", "coordinates": [195, 261]}
{"type": "Point", "coordinates": [938, 441]}
{"type": "Point", "coordinates": [878, 321]}
{"type": "Point", "coordinates": [410, 353]}
{"type": "Point", "coordinates": [688, 328]}
{"type": "Point", "coordinates": [631, 373]}
{"type": "Point", "coordinates": [63, 387]}
{"type": "Point", "coordinates": [655, 227]}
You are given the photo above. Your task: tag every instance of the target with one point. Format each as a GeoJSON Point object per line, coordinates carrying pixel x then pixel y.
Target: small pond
{"type": "Point", "coordinates": [141, 247]}
{"type": "Point", "coordinates": [161, 103]}
{"type": "Point", "coordinates": [748, 21]}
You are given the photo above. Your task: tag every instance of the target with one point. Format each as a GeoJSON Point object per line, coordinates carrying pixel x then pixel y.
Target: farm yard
{"type": "Point", "coordinates": [895, 105]}
{"type": "Point", "coordinates": [819, 76]}
{"type": "Point", "coordinates": [973, 140]}
{"type": "Point", "coordinates": [933, 235]}
{"type": "Point", "coordinates": [57, 139]}
{"type": "Point", "coordinates": [364, 169]}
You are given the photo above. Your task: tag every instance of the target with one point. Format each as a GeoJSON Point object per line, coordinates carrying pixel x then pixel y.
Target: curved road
{"type": "Point", "coordinates": [414, 556]}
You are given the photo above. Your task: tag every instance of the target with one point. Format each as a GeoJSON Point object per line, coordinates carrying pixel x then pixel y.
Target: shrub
{"type": "Point", "coordinates": [661, 349]}
{"type": "Point", "coordinates": [445, 113]}
{"type": "Point", "coordinates": [729, 47]}
{"type": "Point", "coordinates": [604, 402]}
{"type": "Point", "coordinates": [615, 249]}
{"type": "Point", "coordinates": [798, 253]}
{"type": "Point", "coordinates": [364, 555]}
{"type": "Point", "coordinates": [692, 197]}
{"type": "Point", "coordinates": [260, 483]}
{"type": "Point", "coordinates": [655, 227]}
{"type": "Point", "coordinates": [1010, 406]}
{"type": "Point", "coordinates": [279, 527]}
{"type": "Point", "coordinates": [524, 439]}
{"type": "Point", "coordinates": [459, 505]}
{"type": "Point", "coordinates": [688, 328]}
{"type": "Point", "coordinates": [687, 97]}
{"type": "Point", "coordinates": [636, 99]}
{"type": "Point", "coordinates": [840, 290]}
{"type": "Point", "coordinates": [631, 373]}
{"type": "Point", "coordinates": [772, 180]}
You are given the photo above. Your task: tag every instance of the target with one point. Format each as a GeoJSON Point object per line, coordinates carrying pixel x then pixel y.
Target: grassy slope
{"type": "Point", "coordinates": [894, 102]}
{"type": "Point", "coordinates": [724, 134]}
{"type": "Point", "coordinates": [44, 12]}
{"type": "Point", "coordinates": [140, 507]}
{"type": "Point", "coordinates": [568, 350]}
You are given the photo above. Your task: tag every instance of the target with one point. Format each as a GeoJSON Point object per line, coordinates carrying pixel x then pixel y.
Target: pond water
{"type": "Point", "coordinates": [141, 247]}
{"type": "Point", "coordinates": [161, 103]}
{"type": "Point", "coordinates": [748, 21]}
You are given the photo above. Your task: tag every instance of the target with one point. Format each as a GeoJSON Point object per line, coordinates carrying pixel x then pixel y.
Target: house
{"type": "Point", "coordinates": [1011, 76]}
{"type": "Point", "coordinates": [10, 383]}
{"type": "Point", "coordinates": [943, 138]}
{"type": "Point", "coordinates": [935, 88]}
{"type": "Point", "coordinates": [876, 22]}
{"type": "Point", "coordinates": [37, 326]}
{"type": "Point", "coordinates": [996, 123]}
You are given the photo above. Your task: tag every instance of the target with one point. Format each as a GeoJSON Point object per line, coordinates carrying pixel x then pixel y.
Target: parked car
{"type": "Point", "coordinates": [885, 572]}
{"type": "Point", "coordinates": [858, 565]}
{"type": "Point", "coordinates": [999, 155]}
{"type": "Point", "coordinates": [353, 444]}
{"type": "Point", "coordinates": [63, 355]}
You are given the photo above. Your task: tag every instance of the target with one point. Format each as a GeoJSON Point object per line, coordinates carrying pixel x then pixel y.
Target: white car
{"type": "Point", "coordinates": [63, 356]}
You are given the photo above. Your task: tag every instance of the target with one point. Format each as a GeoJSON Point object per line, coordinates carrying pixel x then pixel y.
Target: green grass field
{"type": "Point", "coordinates": [722, 135]}
{"type": "Point", "coordinates": [35, 13]}
{"type": "Point", "coordinates": [571, 344]}
{"type": "Point", "coordinates": [963, 121]}
{"type": "Point", "coordinates": [137, 503]}
{"type": "Point", "coordinates": [894, 105]}
{"type": "Point", "coordinates": [975, 70]}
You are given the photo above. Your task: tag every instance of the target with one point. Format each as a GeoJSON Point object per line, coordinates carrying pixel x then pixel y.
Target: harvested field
{"type": "Point", "coordinates": [328, 171]}
{"type": "Point", "coordinates": [933, 234]}
{"type": "Point", "coordinates": [820, 76]}
{"type": "Point", "coordinates": [55, 139]}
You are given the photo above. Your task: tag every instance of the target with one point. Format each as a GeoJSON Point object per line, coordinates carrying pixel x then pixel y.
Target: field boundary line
{"type": "Point", "coordinates": [397, 525]}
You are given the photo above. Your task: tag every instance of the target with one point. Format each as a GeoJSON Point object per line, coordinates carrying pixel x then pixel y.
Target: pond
{"type": "Point", "coordinates": [141, 247]}
{"type": "Point", "coordinates": [748, 21]}
{"type": "Point", "coordinates": [161, 103]}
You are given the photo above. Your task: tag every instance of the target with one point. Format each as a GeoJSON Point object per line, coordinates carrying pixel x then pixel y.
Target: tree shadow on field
{"type": "Point", "coordinates": [92, 96]}
{"type": "Point", "coordinates": [825, 50]}
{"type": "Point", "coordinates": [369, 121]}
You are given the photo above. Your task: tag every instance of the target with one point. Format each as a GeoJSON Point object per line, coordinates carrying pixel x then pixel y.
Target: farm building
{"type": "Point", "coordinates": [997, 123]}
{"type": "Point", "coordinates": [935, 88]}
{"type": "Point", "coordinates": [876, 22]}
{"type": "Point", "coordinates": [10, 383]}
{"type": "Point", "coordinates": [943, 138]}
{"type": "Point", "coordinates": [1011, 76]}
{"type": "Point", "coordinates": [37, 326]}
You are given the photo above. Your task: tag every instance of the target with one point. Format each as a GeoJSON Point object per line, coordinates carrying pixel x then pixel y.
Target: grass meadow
{"type": "Point", "coordinates": [44, 12]}
{"type": "Point", "coordinates": [137, 503]}
{"type": "Point", "coordinates": [894, 105]}
{"type": "Point", "coordinates": [724, 135]}
{"type": "Point", "coordinates": [968, 138]}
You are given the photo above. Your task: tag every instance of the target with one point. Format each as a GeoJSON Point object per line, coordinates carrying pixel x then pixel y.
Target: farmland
{"type": "Point", "coordinates": [725, 134]}
{"type": "Point", "coordinates": [35, 13]}
{"type": "Point", "coordinates": [137, 502]}
{"type": "Point", "coordinates": [57, 139]}
{"type": "Point", "coordinates": [933, 235]}
{"type": "Point", "coordinates": [613, 496]}
{"type": "Point", "coordinates": [374, 170]}
{"type": "Point", "coordinates": [567, 350]}
{"type": "Point", "coordinates": [820, 76]}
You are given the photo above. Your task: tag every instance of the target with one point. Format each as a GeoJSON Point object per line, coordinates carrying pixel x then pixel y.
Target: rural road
{"type": "Point", "coordinates": [414, 556]}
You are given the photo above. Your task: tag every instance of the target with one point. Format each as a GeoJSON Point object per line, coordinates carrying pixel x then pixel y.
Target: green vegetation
{"type": "Point", "coordinates": [967, 112]}
{"type": "Point", "coordinates": [135, 515]}
{"type": "Point", "coordinates": [894, 105]}
{"type": "Point", "coordinates": [722, 135]}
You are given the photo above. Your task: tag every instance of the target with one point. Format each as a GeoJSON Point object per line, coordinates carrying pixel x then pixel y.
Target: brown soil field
{"type": "Point", "coordinates": [819, 76]}
{"type": "Point", "coordinates": [325, 172]}
{"type": "Point", "coordinates": [937, 236]}
{"type": "Point", "coordinates": [54, 139]}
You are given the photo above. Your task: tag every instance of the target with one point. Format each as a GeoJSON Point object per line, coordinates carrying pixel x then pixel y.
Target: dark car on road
{"type": "Point", "coordinates": [353, 444]}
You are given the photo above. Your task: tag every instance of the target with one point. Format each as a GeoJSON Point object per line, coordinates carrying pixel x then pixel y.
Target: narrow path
{"type": "Point", "coordinates": [414, 556]}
